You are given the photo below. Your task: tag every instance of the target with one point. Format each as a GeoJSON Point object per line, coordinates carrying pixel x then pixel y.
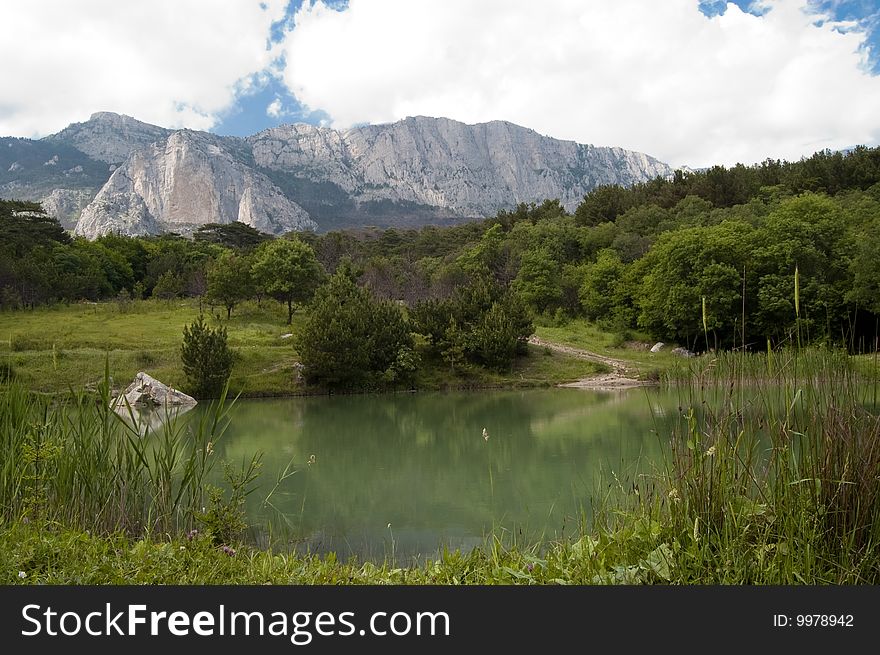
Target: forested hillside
{"type": "Point", "coordinates": [708, 258]}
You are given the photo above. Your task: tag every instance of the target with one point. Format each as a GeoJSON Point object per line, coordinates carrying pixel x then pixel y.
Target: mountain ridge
{"type": "Point", "coordinates": [298, 176]}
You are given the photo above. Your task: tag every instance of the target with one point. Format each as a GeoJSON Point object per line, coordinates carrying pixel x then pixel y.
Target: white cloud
{"type": "Point", "coordinates": [175, 63]}
{"type": "Point", "coordinates": [659, 77]}
{"type": "Point", "coordinates": [274, 109]}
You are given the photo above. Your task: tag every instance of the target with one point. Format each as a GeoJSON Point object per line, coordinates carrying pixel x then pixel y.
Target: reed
{"type": "Point", "coordinates": [775, 483]}
{"type": "Point", "coordinates": [78, 463]}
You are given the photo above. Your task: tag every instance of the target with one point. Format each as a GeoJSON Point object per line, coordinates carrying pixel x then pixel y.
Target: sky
{"type": "Point", "coordinates": [691, 82]}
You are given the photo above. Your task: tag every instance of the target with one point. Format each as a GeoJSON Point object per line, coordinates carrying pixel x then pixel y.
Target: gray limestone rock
{"type": "Point", "coordinates": [295, 177]}
{"type": "Point", "coordinates": [472, 170]}
{"type": "Point", "coordinates": [186, 181]}
{"type": "Point", "coordinates": [109, 137]}
{"type": "Point", "coordinates": [67, 205]}
{"type": "Point", "coordinates": [146, 391]}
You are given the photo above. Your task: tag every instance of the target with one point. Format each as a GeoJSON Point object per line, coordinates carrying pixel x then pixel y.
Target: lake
{"type": "Point", "coordinates": [404, 475]}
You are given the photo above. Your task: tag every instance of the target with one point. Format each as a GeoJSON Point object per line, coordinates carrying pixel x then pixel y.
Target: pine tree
{"type": "Point", "coordinates": [495, 338]}
{"type": "Point", "coordinates": [352, 340]}
{"type": "Point", "coordinates": [207, 359]}
{"type": "Point", "coordinates": [454, 341]}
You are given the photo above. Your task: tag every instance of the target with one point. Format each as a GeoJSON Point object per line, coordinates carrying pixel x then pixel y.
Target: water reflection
{"type": "Point", "coordinates": [151, 420]}
{"type": "Point", "coordinates": [420, 463]}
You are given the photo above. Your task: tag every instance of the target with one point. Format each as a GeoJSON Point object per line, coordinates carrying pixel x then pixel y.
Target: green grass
{"type": "Point", "coordinates": [538, 368]}
{"type": "Point", "coordinates": [57, 348]}
{"type": "Point", "coordinates": [771, 477]}
{"type": "Point", "coordinates": [80, 464]}
{"type": "Point", "coordinates": [785, 369]}
{"type": "Point", "coordinates": [579, 333]}
{"type": "Point", "coordinates": [63, 347]}
{"type": "Point", "coordinates": [57, 555]}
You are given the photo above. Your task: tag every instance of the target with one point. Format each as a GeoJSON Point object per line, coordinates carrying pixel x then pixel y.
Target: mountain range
{"type": "Point", "coordinates": [113, 173]}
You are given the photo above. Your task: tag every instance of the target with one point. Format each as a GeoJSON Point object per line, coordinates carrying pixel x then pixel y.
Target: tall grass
{"type": "Point", "coordinates": [774, 473]}
{"type": "Point", "coordinates": [782, 367]}
{"type": "Point", "coordinates": [80, 464]}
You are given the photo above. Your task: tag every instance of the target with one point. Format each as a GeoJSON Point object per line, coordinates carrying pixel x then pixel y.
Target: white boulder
{"type": "Point", "coordinates": [147, 391]}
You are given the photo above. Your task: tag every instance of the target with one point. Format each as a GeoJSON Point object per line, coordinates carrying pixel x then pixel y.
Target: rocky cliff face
{"type": "Point", "coordinates": [471, 170]}
{"type": "Point", "coordinates": [109, 137]}
{"type": "Point", "coordinates": [182, 182]}
{"type": "Point", "coordinates": [67, 205]}
{"type": "Point", "coordinates": [113, 173]}
{"type": "Point", "coordinates": [63, 178]}
{"type": "Point", "coordinates": [66, 170]}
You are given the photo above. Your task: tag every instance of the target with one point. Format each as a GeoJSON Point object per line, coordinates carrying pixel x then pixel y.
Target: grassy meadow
{"type": "Point", "coordinates": [635, 352]}
{"type": "Point", "coordinates": [62, 347]}
{"type": "Point", "coordinates": [54, 349]}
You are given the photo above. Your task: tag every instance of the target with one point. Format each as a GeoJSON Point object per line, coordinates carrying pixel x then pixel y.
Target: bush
{"type": "Point", "coordinates": [352, 340]}
{"type": "Point", "coordinates": [207, 359]}
{"type": "Point", "coordinates": [495, 339]}
{"type": "Point", "coordinates": [480, 323]}
{"type": "Point", "coordinates": [168, 287]}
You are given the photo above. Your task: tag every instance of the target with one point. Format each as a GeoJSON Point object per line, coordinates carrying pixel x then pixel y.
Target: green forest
{"type": "Point", "coordinates": [708, 259]}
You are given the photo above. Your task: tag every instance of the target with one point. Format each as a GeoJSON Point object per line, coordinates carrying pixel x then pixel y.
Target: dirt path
{"type": "Point", "coordinates": [622, 376]}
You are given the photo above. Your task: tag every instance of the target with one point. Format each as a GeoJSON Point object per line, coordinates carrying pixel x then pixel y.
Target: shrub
{"type": "Point", "coordinates": [496, 339]}
{"type": "Point", "coordinates": [207, 359]}
{"type": "Point", "coordinates": [225, 519]}
{"type": "Point", "coordinates": [352, 340]}
{"type": "Point", "coordinates": [168, 287]}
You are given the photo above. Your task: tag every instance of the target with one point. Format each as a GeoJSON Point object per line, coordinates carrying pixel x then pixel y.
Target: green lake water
{"type": "Point", "coordinates": [405, 475]}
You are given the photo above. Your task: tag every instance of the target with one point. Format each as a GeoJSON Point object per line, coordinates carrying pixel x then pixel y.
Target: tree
{"type": "Point", "coordinates": [495, 338]}
{"type": "Point", "coordinates": [520, 319]}
{"type": "Point", "coordinates": [490, 258]}
{"type": "Point", "coordinates": [229, 280]}
{"type": "Point", "coordinates": [538, 280]}
{"type": "Point", "coordinates": [388, 332]}
{"type": "Point", "coordinates": [603, 204]}
{"type": "Point", "coordinates": [687, 265]}
{"type": "Point", "coordinates": [168, 286]}
{"type": "Point", "coordinates": [454, 345]}
{"type": "Point", "coordinates": [808, 233]}
{"type": "Point", "coordinates": [131, 249]}
{"type": "Point", "coordinates": [352, 340]}
{"type": "Point", "coordinates": [25, 225]}
{"type": "Point", "coordinates": [287, 270]}
{"type": "Point", "coordinates": [431, 318]}
{"type": "Point", "coordinates": [207, 359]}
{"type": "Point", "coordinates": [599, 282]}
{"type": "Point", "coordinates": [865, 270]}
{"type": "Point", "coordinates": [381, 276]}
{"type": "Point", "coordinates": [78, 274]}
{"type": "Point", "coordinates": [235, 235]}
